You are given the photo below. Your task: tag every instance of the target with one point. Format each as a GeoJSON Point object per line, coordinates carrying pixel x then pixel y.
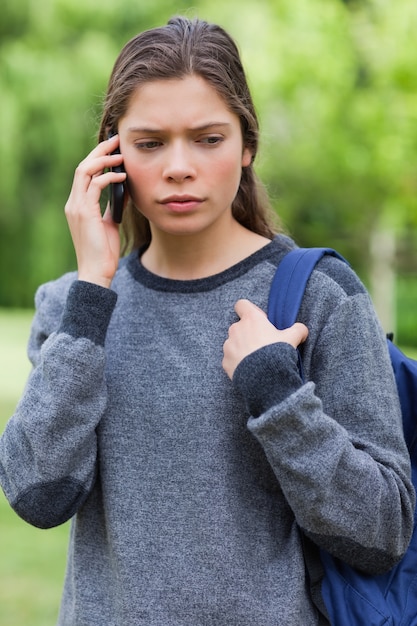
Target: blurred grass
{"type": "Point", "coordinates": [32, 561]}
{"type": "Point", "coordinates": [406, 312]}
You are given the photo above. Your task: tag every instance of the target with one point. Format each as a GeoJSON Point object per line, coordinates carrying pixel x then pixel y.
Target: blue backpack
{"type": "Point", "coordinates": [350, 597]}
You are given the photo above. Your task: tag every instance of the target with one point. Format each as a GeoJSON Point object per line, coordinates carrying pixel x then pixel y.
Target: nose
{"type": "Point", "coordinates": [179, 164]}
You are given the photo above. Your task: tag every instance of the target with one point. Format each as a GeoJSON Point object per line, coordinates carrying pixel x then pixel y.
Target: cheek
{"type": "Point", "coordinates": [140, 182]}
{"type": "Point", "coordinates": [229, 174]}
{"type": "Point", "coordinates": [227, 169]}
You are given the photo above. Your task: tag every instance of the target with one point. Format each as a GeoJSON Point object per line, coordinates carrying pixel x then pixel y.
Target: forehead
{"type": "Point", "coordinates": [191, 99]}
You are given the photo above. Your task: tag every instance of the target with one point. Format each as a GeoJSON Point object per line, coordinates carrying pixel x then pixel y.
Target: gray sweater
{"type": "Point", "coordinates": [187, 491]}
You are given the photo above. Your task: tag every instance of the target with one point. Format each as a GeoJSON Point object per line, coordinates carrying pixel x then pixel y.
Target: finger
{"type": "Point", "coordinates": [112, 140]}
{"type": "Point", "coordinates": [101, 181]}
{"type": "Point", "coordinates": [296, 334]}
{"type": "Point", "coordinates": [246, 307]}
{"type": "Point", "coordinates": [93, 166]}
{"type": "Point", "coordinates": [301, 330]}
{"type": "Point", "coordinates": [100, 158]}
{"type": "Point", "coordinates": [106, 146]}
{"type": "Point", "coordinates": [89, 191]}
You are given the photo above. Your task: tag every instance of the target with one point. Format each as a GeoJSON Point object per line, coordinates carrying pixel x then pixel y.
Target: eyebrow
{"type": "Point", "coordinates": [151, 131]}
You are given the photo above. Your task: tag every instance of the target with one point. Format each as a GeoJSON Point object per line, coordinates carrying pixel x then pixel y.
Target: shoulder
{"type": "Point", "coordinates": [334, 287]}
{"type": "Point", "coordinates": [333, 271]}
{"type": "Point", "coordinates": [331, 277]}
{"type": "Point", "coordinates": [334, 295]}
{"type": "Point", "coordinates": [339, 314]}
{"type": "Point", "coordinates": [50, 305]}
{"type": "Point", "coordinates": [50, 299]}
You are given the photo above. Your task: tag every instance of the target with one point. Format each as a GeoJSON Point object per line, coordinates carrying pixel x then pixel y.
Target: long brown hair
{"type": "Point", "coordinates": [181, 48]}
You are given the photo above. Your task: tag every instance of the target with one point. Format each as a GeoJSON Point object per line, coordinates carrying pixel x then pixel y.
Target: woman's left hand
{"type": "Point", "coordinates": [254, 331]}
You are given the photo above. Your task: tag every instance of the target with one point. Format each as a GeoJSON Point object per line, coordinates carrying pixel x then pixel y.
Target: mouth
{"type": "Point", "coordinates": [181, 204]}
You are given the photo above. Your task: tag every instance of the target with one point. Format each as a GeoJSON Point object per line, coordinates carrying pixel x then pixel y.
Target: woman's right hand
{"type": "Point", "coordinates": [96, 238]}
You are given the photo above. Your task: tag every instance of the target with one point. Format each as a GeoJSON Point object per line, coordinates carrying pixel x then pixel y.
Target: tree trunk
{"type": "Point", "coordinates": [383, 277]}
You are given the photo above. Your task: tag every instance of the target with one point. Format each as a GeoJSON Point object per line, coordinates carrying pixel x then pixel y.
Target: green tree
{"type": "Point", "coordinates": [55, 59]}
{"type": "Point", "coordinates": [334, 83]}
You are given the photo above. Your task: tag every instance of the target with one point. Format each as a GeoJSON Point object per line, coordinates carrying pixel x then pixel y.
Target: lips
{"type": "Point", "coordinates": [179, 204]}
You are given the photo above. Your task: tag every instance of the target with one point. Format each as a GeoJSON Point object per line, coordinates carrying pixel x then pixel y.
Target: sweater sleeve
{"type": "Point", "coordinates": [335, 443]}
{"type": "Point", "coordinates": [48, 449]}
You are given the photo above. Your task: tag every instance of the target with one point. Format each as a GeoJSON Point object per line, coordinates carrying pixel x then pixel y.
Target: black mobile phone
{"type": "Point", "coordinates": [116, 192]}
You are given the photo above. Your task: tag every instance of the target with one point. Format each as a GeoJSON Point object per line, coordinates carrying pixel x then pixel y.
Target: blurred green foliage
{"type": "Point", "coordinates": [335, 84]}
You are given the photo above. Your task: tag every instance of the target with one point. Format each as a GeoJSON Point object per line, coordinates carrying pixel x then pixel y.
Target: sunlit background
{"type": "Point", "coordinates": [335, 85]}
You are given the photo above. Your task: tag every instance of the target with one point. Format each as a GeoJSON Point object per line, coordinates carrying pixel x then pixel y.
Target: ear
{"type": "Point", "coordinates": [246, 157]}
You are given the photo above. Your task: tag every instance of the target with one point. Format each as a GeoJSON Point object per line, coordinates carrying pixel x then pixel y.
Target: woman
{"type": "Point", "coordinates": [164, 413]}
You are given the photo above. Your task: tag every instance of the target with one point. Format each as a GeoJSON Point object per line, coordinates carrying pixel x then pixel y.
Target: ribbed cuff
{"type": "Point", "coordinates": [88, 310]}
{"type": "Point", "coordinates": [267, 376]}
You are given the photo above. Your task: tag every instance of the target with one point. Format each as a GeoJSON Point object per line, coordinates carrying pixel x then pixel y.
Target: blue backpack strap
{"type": "Point", "coordinates": [289, 283]}
{"type": "Point", "coordinates": [288, 286]}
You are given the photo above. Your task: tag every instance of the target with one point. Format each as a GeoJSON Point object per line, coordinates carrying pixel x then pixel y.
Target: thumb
{"type": "Point", "coordinates": [296, 334]}
{"type": "Point", "coordinates": [246, 308]}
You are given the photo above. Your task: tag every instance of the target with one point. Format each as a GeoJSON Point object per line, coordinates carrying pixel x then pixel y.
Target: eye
{"type": "Point", "coordinates": [211, 140]}
{"type": "Point", "coordinates": [148, 145]}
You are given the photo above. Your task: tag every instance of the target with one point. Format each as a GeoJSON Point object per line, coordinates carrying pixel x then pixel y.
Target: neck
{"type": "Point", "coordinates": [196, 256]}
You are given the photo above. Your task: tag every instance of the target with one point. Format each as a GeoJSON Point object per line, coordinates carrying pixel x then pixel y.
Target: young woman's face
{"type": "Point", "coordinates": [183, 154]}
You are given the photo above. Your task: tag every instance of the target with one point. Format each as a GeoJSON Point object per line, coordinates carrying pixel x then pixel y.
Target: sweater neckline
{"type": "Point", "coordinates": [158, 283]}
